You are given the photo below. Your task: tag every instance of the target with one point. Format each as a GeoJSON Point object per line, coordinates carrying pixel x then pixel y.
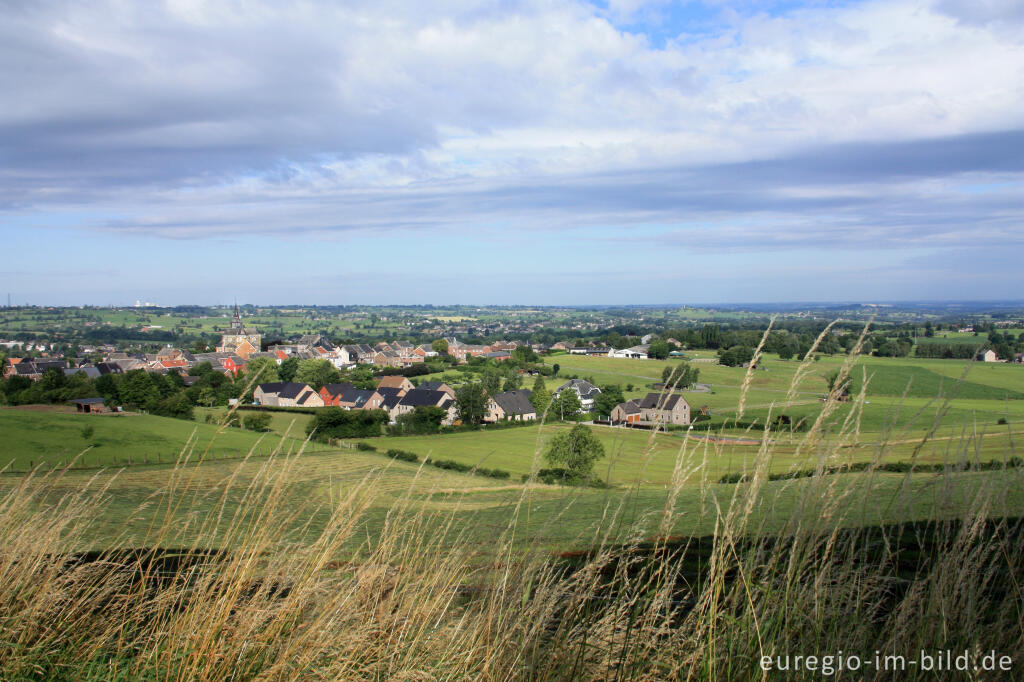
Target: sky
{"type": "Point", "coordinates": [557, 152]}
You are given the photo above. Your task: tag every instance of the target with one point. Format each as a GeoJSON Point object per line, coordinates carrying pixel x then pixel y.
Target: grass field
{"type": "Point", "coordinates": [345, 564]}
{"type": "Point", "coordinates": [479, 508]}
{"type": "Point", "coordinates": [31, 437]}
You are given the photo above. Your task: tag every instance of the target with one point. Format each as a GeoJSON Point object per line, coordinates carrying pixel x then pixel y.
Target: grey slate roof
{"type": "Point", "coordinates": [516, 402]}
{"type": "Point", "coordinates": [659, 401]}
{"type": "Point", "coordinates": [356, 396]}
{"type": "Point", "coordinates": [629, 407]}
{"type": "Point", "coordinates": [88, 370]}
{"type": "Point", "coordinates": [420, 396]}
{"type": "Point", "coordinates": [337, 390]}
{"type": "Point", "coordinates": [431, 385]}
{"type": "Point", "coordinates": [284, 389]}
{"type": "Point", "coordinates": [585, 388]}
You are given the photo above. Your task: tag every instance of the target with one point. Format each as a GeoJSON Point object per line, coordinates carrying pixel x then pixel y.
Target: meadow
{"type": "Point", "coordinates": [346, 564]}
{"type": "Point", "coordinates": [54, 437]}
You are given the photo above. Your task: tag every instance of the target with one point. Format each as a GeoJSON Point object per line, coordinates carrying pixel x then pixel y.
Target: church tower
{"type": "Point", "coordinates": [238, 339]}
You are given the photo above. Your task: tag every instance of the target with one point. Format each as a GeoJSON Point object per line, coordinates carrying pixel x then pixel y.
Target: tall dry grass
{"type": "Point", "coordinates": [422, 600]}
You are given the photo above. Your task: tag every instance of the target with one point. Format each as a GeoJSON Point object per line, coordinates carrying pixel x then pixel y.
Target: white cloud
{"type": "Point", "coordinates": [317, 117]}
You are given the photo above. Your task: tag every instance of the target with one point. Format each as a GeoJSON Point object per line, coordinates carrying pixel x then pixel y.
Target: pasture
{"type": "Point", "coordinates": [55, 437]}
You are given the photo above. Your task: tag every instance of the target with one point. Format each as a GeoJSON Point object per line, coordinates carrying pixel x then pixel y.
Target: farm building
{"type": "Point", "coordinates": [92, 406]}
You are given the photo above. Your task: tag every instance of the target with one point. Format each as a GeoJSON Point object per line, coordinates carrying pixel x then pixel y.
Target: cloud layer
{"type": "Point", "coordinates": [876, 125]}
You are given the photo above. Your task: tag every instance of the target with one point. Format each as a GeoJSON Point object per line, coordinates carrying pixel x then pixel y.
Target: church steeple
{"type": "Point", "coordinates": [238, 339]}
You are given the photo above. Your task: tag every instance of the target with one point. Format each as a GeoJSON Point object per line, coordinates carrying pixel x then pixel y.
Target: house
{"type": "Point", "coordinates": [511, 405]}
{"type": "Point", "coordinates": [109, 368]}
{"type": "Point", "coordinates": [986, 356]}
{"type": "Point", "coordinates": [396, 381]}
{"type": "Point", "coordinates": [438, 386]}
{"type": "Point", "coordinates": [360, 354]}
{"type": "Point", "coordinates": [420, 397]}
{"type": "Point", "coordinates": [635, 353]}
{"type": "Point", "coordinates": [88, 370]}
{"type": "Point", "coordinates": [312, 342]}
{"type": "Point", "coordinates": [662, 408]}
{"type": "Point", "coordinates": [498, 355]}
{"type": "Point", "coordinates": [287, 394]}
{"type": "Point", "coordinates": [331, 393]}
{"type": "Point", "coordinates": [626, 413]}
{"type": "Point", "coordinates": [586, 391]}
{"type": "Point", "coordinates": [390, 398]}
{"type": "Point", "coordinates": [33, 369]}
{"type": "Point", "coordinates": [383, 398]}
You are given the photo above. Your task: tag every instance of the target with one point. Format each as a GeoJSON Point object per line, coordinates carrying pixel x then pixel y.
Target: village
{"type": "Point", "coordinates": [394, 394]}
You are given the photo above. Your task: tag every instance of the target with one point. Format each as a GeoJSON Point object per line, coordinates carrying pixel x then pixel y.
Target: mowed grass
{"type": "Point", "coordinates": [640, 458]}
{"type": "Point", "coordinates": [478, 510]}
{"type": "Point", "coordinates": [288, 424]}
{"type": "Point", "coordinates": [30, 438]}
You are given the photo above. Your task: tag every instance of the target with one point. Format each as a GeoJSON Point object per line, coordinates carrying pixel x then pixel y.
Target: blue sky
{"type": "Point", "coordinates": [565, 152]}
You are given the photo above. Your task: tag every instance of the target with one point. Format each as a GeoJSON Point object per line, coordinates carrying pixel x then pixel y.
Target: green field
{"type": "Point", "coordinates": [55, 437]}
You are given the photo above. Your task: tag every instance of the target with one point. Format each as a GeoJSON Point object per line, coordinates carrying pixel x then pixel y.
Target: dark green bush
{"type": "Point", "coordinates": [403, 455]}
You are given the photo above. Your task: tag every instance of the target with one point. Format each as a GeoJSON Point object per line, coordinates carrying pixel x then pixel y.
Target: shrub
{"type": "Point", "coordinates": [259, 421]}
{"type": "Point", "coordinates": [403, 455]}
{"type": "Point", "coordinates": [366, 447]}
{"type": "Point", "coordinates": [333, 422]}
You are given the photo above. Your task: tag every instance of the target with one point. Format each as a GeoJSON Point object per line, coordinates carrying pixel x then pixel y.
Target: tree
{"type": "Point", "coordinates": [201, 369]}
{"type": "Point", "coordinates": [842, 392]}
{"type": "Point", "coordinates": [176, 406]}
{"type": "Point", "coordinates": [257, 421]}
{"type": "Point", "coordinates": [540, 398]}
{"type": "Point", "coordinates": [52, 379]}
{"type": "Point", "coordinates": [554, 369]}
{"type": "Point", "coordinates": [316, 373]}
{"type": "Point", "coordinates": [263, 371]}
{"type": "Point", "coordinates": [471, 402]}
{"type": "Point", "coordinates": [710, 336]}
{"type": "Point", "coordinates": [513, 383]}
{"type": "Point", "coordinates": [658, 350]}
{"type": "Point", "coordinates": [137, 390]}
{"type": "Point", "coordinates": [287, 369]}
{"type": "Point", "coordinates": [422, 420]}
{"type": "Point", "coordinates": [682, 375]}
{"type": "Point", "coordinates": [440, 346]}
{"type": "Point", "coordinates": [785, 352]}
{"type": "Point", "coordinates": [736, 356]}
{"type": "Point", "coordinates": [491, 381]}
{"type": "Point", "coordinates": [607, 399]}
{"type": "Point", "coordinates": [207, 397]}
{"type": "Point", "coordinates": [567, 404]}
{"type": "Point", "coordinates": [575, 450]}
{"type": "Point", "coordinates": [524, 354]}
